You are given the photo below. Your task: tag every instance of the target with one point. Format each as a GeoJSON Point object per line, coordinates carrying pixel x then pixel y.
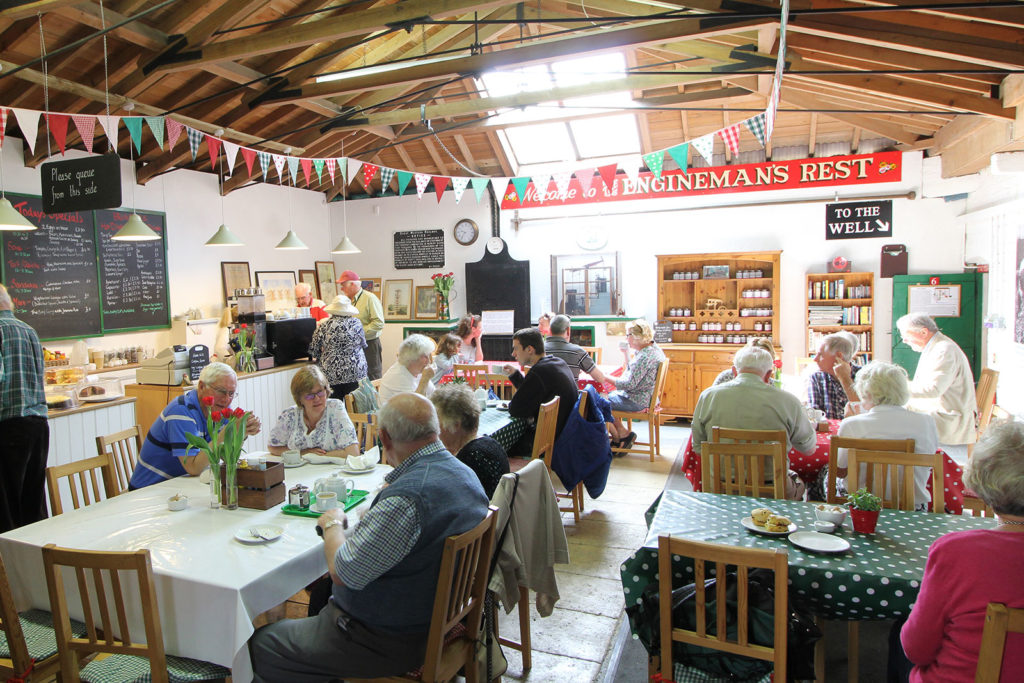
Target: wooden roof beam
{"type": "Point", "coordinates": [31, 9]}
{"type": "Point", "coordinates": [810, 102]}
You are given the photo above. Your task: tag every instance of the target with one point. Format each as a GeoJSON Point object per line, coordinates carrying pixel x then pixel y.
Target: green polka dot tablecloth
{"type": "Point", "coordinates": [878, 578]}
{"type": "Point", "coordinates": [502, 427]}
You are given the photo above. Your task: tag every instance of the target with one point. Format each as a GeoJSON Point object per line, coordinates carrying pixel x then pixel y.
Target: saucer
{"type": "Point", "coordinates": [268, 533]}
{"type": "Point", "coordinates": [289, 465]}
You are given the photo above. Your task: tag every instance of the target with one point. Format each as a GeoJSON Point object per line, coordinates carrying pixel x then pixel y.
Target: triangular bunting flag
{"type": "Point", "coordinates": [28, 121]}
{"type": "Point", "coordinates": [403, 181]}
{"type": "Point", "coordinates": [755, 124]}
{"type": "Point", "coordinates": [731, 135]}
{"type": "Point", "coordinates": [213, 147]}
{"type": "Point", "coordinates": [86, 129]}
{"type": "Point", "coordinates": [174, 132]}
{"type": "Point", "coordinates": [318, 166]}
{"type": "Point", "coordinates": [279, 165]}
{"type": "Point", "coordinates": [680, 155]}
{"type": "Point", "coordinates": [386, 174]}
{"type": "Point", "coordinates": [293, 170]}
{"type": "Point", "coordinates": [479, 186]}
{"type": "Point", "coordinates": [500, 185]}
{"type": "Point", "coordinates": [249, 155]}
{"type": "Point", "coordinates": [562, 181]}
{"type": "Point", "coordinates": [654, 161]}
{"type": "Point", "coordinates": [440, 185]}
{"type": "Point", "coordinates": [369, 170]}
{"type": "Point", "coordinates": [264, 162]}
{"type": "Point", "coordinates": [705, 144]}
{"type": "Point", "coordinates": [421, 183]}
{"type": "Point", "coordinates": [342, 168]}
{"type": "Point", "coordinates": [459, 186]}
{"type": "Point", "coordinates": [331, 163]}
{"type": "Point", "coordinates": [231, 155]}
{"type": "Point", "coordinates": [631, 166]}
{"type": "Point", "coordinates": [3, 126]}
{"type": "Point", "coordinates": [156, 125]}
{"type": "Point", "coordinates": [521, 183]}
{"type": "Point", "coordinates": [58, 125]}
{"type": "Point", "coordinates": [585, 176]}
{"type": "Point", "coordinates": [194, 138]}
{"type": "Point", "coordinates": [109, 125]}
{"type": "Point", "coordinates": [607, 174]}
{"type": "Point", "coordinates": [307, 169]}
{"type": "Point", "coordinates": [353, 168]}
{"type": "Point", "coordinates": [540, 185]}
{"type": "Point", "coordinates": [134, 126]}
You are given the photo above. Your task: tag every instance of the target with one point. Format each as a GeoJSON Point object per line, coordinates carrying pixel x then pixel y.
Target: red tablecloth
{"type": "Point", "coordinates": [582, 381]}
{"type": "Point", "coordinates": [808, 467]}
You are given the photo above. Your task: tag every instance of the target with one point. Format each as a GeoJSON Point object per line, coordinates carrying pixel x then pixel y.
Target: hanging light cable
{"type": "Point", "coordinates": [223, 237]}
{"type": "Point", "coordinates": [134, 230]}
{"type": "Point", "coordinates": [345, 246]}
{"type": "Point", "coordinates": [291, 240]}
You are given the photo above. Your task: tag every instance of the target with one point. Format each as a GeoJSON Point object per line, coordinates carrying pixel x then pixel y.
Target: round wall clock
{"type": "Point", "coordinates": [594, 237]}
{"type": "Point", "coordinates": [495, 245]}
{"type": "Point", "coordinates": [466, 232]}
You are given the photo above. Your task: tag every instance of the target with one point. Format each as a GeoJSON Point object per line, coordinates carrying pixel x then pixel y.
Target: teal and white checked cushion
{"type": "Point", "coordinates": [131, 669]}
{"type": "Point", "coordinates": [37, 626]}
{"type": "Point", "coordinates": [688, 674]}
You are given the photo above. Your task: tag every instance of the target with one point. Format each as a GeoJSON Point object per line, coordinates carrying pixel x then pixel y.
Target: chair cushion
{"type": "Point", "coordinates": [688, 674]}
{"type": "Point", "coordinates": [131, 669]}
{"type": "Point", "coordinates": [37, 626]}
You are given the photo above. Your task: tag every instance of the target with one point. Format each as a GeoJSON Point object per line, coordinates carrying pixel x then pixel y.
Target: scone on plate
{"type": "Point", "coordinates": [760, 516]}
{"type": "Point", "coordinates": [777, 523]}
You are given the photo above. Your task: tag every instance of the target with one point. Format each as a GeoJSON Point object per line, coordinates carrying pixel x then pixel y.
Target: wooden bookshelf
{"type": "Point", "coordinates": [841, 301]}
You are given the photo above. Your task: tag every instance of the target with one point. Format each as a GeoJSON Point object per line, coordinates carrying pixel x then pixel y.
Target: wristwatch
{"type": "Point", "coordinates": [328, 524]}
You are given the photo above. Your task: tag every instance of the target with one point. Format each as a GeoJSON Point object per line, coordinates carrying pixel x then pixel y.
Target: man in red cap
{"type": "Point", "coordinates": [371, 315]}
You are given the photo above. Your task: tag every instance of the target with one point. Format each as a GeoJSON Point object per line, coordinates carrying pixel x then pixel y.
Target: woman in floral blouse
{"type": "Point", "coordinates": [315, 424]}
{"type": "Point", "coordinates": [634, 388]}
{"type": "Point", "coordinates": [337, 347]}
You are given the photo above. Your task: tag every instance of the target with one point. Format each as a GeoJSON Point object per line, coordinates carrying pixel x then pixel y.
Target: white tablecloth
{"type": "Point", "coordinates": [209, 586]}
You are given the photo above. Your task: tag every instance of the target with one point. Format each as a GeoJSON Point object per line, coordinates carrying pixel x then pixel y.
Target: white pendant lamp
{"type": "Point", "coordinates": [345, 246]}
{"type": "Point", "coordinates": [10, 218]}
{"type": "Point", "coordinates": [291, 240]}
{"type": "Point", "coordinates": [223, 237]}
{"type": "Point", "coordinates": [134, 230]}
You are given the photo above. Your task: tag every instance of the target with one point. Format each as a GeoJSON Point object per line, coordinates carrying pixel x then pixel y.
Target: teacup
{"type": "Point", "coordinates": [339, 486]}
{"type": "Point", "coordinates": [819, 415]}
{"type": "Point", "coordinates": [291, 457]}
{"type": "Point", "coordinates": [327, 500]}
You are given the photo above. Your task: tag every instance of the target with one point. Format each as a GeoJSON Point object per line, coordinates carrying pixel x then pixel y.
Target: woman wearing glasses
{"type": "Point", "coordinates": [315, 424]}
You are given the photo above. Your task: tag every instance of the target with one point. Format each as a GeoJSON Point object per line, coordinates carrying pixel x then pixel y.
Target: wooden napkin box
{"type": "Point", "coordinates": [822, 426]}
{"type": "Point", "coordinates": [261, 489]}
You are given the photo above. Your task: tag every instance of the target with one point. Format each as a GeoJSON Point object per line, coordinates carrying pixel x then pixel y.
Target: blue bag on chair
{"type": "Point", "coordinates": [582, 451]}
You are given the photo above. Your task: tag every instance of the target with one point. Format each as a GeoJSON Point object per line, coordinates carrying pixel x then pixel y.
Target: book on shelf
{"type": "Point", "coordinates": [814, 338]}
{"type": "Point", "coordinates": [837, 289]}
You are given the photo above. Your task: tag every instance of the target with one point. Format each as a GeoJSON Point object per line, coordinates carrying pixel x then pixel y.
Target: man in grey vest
{"type": "Point", "coordinates": [385, 569]}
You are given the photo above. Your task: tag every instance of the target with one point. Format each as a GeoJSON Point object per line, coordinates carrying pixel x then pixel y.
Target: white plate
{"type": "Point", "coordinates": [100, 398]}
{"type": "Point", "coordinates": [269, 532]}
{"type": "Point", "coordinates": [289, 465]}
{"type": "Point", "coordinates": [348, 470]}
{"type": "Point", "coordinates": [819, 543]}
{"type": "Point", "coordinates": [749, 524]}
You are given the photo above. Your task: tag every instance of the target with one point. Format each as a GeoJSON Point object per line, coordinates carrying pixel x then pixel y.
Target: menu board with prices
{"type": "Point", "coordinates": [133, 275]}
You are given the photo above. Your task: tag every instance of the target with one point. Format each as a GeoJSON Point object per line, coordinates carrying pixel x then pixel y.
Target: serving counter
{"type": "Point", "coordinates": [73, 431]}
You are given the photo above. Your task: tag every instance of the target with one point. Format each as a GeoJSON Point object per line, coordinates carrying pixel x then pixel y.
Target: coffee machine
{"type": "Point", "coordinates": [252, 312]}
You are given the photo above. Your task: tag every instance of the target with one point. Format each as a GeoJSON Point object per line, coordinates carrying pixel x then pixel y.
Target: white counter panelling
{"type": "Point", "coordinates": [73, 437]}
{"type": "Point", "coordinates": [266, 395]}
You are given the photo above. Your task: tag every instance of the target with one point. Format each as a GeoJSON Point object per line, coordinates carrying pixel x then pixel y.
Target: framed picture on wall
{"type": "Point", "coordinates": [236, 276]}
{"type": "Point", "coordinates": [426, 302]}
{"type": "Point", "coordinates": [397, 299]}
{"type": "Point", "coordinates": [278, 288]}
{"type": "Point", "coordinates": [309, 277]}
{"type": "Point", "coordinates": [371, 284]}
{"type": "Point", "coordinates": [325, 278]}
{"type": "Point", "coordinates": [716, 272]}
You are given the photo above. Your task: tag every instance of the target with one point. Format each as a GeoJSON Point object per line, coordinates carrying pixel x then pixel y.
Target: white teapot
{"type": "Point", "coordinates": [335, 484]}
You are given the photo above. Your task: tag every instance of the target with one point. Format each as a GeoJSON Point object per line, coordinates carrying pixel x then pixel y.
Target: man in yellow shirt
{"type": "Point", "coordinates": [371, 315]}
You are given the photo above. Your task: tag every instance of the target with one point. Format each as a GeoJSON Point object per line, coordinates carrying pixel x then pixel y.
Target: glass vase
{"type": "Point", "coordinates": [215, 486]}
{"type": "Point", "coordinates": [245, 360]}
{"type": "Point", "coordinates": [231, 484]}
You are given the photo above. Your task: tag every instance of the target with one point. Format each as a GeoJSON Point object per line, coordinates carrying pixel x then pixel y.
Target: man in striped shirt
{"type": "Point", "coordinates": [24, 433]}
{"type": "Point", "coordinates": [558, 345]}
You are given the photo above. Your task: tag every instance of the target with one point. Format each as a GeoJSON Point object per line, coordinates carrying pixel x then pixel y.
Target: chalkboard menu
{"type": "Point", "coordinates": [419, 249]}
{"type": "Point", "coordinates": [68, 279]}
{"type": "Point", "coordinates": [50, 273]}
{"type": "Point", "coordinates": [133, 275]}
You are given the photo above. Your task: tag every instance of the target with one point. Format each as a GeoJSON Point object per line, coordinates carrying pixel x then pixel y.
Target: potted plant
{"type": "Point", "coordinates": [864, 509]}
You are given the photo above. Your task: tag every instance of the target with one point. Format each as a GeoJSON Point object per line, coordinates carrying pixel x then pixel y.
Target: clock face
{"type": "Point", "coordinates": [466, 232]}
{"type": "Point", "coordinates": [495, 245]}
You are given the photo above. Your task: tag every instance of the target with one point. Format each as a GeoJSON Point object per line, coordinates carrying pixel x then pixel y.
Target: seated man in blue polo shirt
{"type": "Point", "coordinates": [165, 453]}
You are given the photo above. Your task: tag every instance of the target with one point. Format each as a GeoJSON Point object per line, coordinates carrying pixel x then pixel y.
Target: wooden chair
{"type": "Point", "coordinates": [594, 351]}
{"type": "Point", "coordinates": [722, 556]}
{"type": "Point", "coordinates": [98, 575]}
{"type": "Point", "coordinates": [82, 482]}
{"type": "Point", "coordinates": [458, 599]}
{"type": "Point", "coordinates": [376, 385]}
{"type": "Point", "coordinates": [366, 430]}
{"type": "Point", "coordinates": [985, 396]}
{"type": "Point", "coordinates": [20, 655]}
{"type": "Point", "coordinates": [574, 496]}
{"type": "Point", "coordinates": [837, 442]}
{"type": "Point", "coordinates": [124, 448]}
{"type": "Point", "coordinates": [472, 373]}
{"type": "Point", "coordinates": [743, 469]}
{"type": "Point", "coordinates": [725, 435]}
{"type": "Point", "coordinates": [652, 415]}
{"type": "Point", "coordinates": [890, 475]}
{"type": "Point", "coordinates": [978, 507]}
{"type": "Point", "coordinates": [999, 620]}
{"type": "Point", "coordinates": [498, 383]}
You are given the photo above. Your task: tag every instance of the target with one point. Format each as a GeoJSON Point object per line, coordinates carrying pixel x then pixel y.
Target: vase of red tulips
{"type": "Point", "coordinates": [227, 432]}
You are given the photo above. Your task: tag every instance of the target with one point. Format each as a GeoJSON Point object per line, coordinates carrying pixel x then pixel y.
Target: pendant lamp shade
{"type": "Point", "coordinates": [224, 238]}
{"type": "Point", "coordinates": [291, 241]}
{"type": "Point", "coordinates": [346, 246]}
{"type": "Point", "coordinates": [135, 231]}
{"type": "Point", "coordinates": [11, 218]}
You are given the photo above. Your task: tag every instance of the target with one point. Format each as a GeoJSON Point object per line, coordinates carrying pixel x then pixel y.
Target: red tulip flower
{"type": "Point", "coordinates": [239, 412]}
{"type": "Point", "coordinates": [208, 400]}
{"type": "Point", "coordinates": [778, 363]}
{"type": "Point", "coordinates": [216, 415]}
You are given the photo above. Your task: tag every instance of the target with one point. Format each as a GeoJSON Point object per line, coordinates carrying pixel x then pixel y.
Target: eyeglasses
{"type": "Point", "coordinates": [315, 395]}
{"type": "Point", "coordinates": [225, 393]}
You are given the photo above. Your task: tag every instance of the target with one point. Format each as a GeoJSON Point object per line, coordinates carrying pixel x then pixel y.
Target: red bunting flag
{"type": "Point", "coordinates": [307, 168]}
{"type": "Point", "coordinates": [369, 170]}
{"type": "Point", "coordinates": [86, 126]}
{"type": "Point", "coordinates": [58, 125]}
{"type": "Point", "coordinates": [213, 147]}
{"type": "Point", "coordinates": [731, 135]}
{"type": "Point", "coordinates": [250, 156]}
{"type": "Point", "coordinates": [440, 185]}
{"type": "Point", "coordinates": [608, 175]}
{"type": "Point", "coordinates": [174, 129]}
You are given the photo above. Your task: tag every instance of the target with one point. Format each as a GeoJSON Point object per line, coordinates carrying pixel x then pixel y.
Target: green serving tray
{"type": "Point", "coordinates": [355, 499]}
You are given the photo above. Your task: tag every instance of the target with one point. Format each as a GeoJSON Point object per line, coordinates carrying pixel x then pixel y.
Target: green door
{"type": "Point", "coordinates": [965, 330]}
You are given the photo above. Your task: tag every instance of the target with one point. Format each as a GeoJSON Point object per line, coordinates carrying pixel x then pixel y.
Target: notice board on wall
{"type": "Point", "coordinates": [68, 279]}
{"type": "Point", "coordinates": [419, 249]}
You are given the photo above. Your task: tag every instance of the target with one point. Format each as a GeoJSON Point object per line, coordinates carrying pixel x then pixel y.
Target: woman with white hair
{"type": "Point", "coordinates": [412, 371]}
{"type": "Point", "coordinates": [338, 347]}
{"type": "Point", "coordinates": [966, 570]}
{"type": "Point", "coordinates": [634, 388]}
{"type": "Point", "coordinates": [884, 391]}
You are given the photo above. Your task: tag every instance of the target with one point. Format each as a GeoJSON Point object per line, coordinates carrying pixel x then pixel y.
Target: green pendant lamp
{"type": "Point", "coordinates": [223, 237]}
{"type": "Point", "coordinates": [134, 230]}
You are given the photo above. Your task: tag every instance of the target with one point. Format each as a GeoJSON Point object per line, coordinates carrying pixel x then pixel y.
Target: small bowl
{"type": "Point", "coordinates": [824, 527]}
{"type": "Point", "coordinates": [176, 504]}
{"type": "Point", "coordinates": [833, 514]}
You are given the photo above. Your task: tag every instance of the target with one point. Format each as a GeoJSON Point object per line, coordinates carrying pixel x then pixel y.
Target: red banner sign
{"type": "Point", "coordinates": [859, 169]}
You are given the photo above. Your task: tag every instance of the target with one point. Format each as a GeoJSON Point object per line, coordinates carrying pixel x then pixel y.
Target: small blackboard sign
{"type": "Point", "coordinates": [419, 249]}
{"type": "Point", "coordinates": [663, 332]}
{"type": "Point", "coordinates": [82, 184]}
{"type": "Point", "coordinates": [198, 358]}
{"type": "Point", "coordinates": [858, 220]}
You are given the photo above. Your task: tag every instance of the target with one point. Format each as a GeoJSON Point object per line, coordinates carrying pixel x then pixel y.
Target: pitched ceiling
{"type": "Point", "coordinates": [942, 77]}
